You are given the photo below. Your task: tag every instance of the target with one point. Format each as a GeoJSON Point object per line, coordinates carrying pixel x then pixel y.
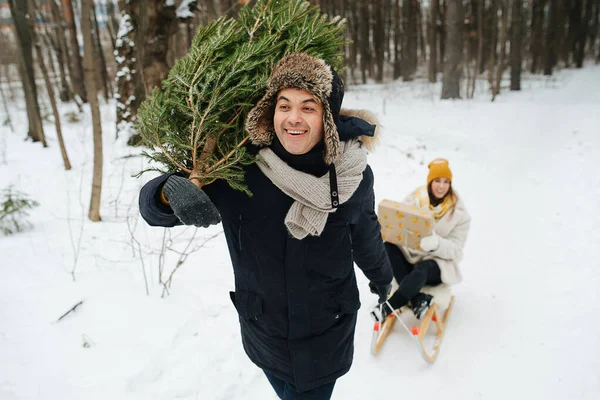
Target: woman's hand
{"type": "Point", "coordinates": [430, 243]}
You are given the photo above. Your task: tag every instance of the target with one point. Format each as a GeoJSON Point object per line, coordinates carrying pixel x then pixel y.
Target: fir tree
{"type": "Point", "coordinates": [14, 207]}
{"type": "Point", "coordinates": [195, 123]}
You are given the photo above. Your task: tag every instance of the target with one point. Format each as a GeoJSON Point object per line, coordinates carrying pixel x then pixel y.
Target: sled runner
{"type": "Point", "coordinates": [442, 301]}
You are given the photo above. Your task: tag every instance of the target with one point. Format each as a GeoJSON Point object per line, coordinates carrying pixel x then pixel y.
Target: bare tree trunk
{"type": "Point", "coordinates": [537, 36]}
{"type": "Point", "coordinates": [443, 7]}
{"type": "Point", "coordinates": [103, 71]}
{"type": "Point", "coordinates": [111, 24]}
{"type": "Point", "coordinates": [142, 50]}
{"type": "Point", "coordinates": [452, 67]}
{"type": "Point", "coordinates": [11, 92]}
{"type": "Point", "coordinates": [480, 16]}
{"type": "Point", "coordinates": [433, 22]}
{"type": "Point", "coordinates": [493, 15]}
{"type": "Point", "coordinates": [551, 57]}
{"type": "Point", "coordinates": [503, 30]}
{"type": "Point", "coordinates": [378, 38]}
{"type": "Point", "coordinates": [596, 31]}
{"type": "Point", "coordinates": [127, 81]}
{"type": "Point", "coordinates": [19, 12]}
{"type": "Point", "coordinates": [90, 83]}
{"type": "Point", "coordinates": [409, 44]}
{"type": "Point", "coordinates": [516, 43]}
{"type": "Point", "coordinates": [228, 8]}
{"type": "Point", "coordinates": [353, 31]}
{"type": "Point", "coordinates": [583, 34]}
{"type": "Point", "coordinates": [61, 53]}
{"type": "Point", "coordinates": [8, 118]}
{"type": "Point", "coordinates": [211, 10]}
{"type": "Point", "coordinates": [595, 20]}
{"type": "Point", "coordinates": [563, 43]}
{"type": "Point", "coordinates": [389, 29]}
{"type": "Point", "coordinates": [397, 41]}
{"type": "Point", "coordinates": [574, 15]}
{"type": "Point", "coordinates": [365, 58]}
{"type": "Point", "coordinates": [51, 96]}
{"type": "Point", "coordinates": [77, 77]}
{"type": "Point", "coordinates": [422, 40]}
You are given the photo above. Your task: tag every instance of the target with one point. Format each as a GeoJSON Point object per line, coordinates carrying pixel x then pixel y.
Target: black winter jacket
{"type": "Point", "coordinates": [297, 300]}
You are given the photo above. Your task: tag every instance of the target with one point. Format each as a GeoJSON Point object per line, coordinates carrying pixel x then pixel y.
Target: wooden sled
{"type": "Point", "coordinates": [381, 330]}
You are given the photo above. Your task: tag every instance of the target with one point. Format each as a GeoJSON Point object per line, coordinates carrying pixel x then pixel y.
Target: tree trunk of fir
{"type": "Point", "coordinates": [51, 96]}
{"type": "Point", "coordinates": [365, 58]}
{"type": "Point", "coordinates": [77, 77]}
{"type": "Point", "coordinates": [503, 32]}
{"type": "Point", "coordinates": [551, 51]}
{"type": "Point", "coordinates": [516, 45]}
{"type": "Point", "coordinates": [19, 11]}
{"type": "Point", "coordinates": [397, 41]}
{"type": "Point", "coordinates": [433, 18]}
{"type": "Point", "coordinates": [452, 68]}
{"type": "Point", "coordinates": [537, 35]}
{"type": "Point", "coordinates": [90, 83]}
{"type": "Point", "coordinates": [378, 38]}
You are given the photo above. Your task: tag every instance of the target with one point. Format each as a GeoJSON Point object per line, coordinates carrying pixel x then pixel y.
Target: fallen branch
{"type": "Point", "coordinates": [70, 311]}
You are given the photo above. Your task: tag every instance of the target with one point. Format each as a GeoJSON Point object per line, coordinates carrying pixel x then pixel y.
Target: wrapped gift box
{"type": "Point", "coordinates": [404, 224]}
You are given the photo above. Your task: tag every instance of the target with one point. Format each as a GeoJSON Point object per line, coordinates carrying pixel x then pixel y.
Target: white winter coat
{"type": "Point", "coordinates": [452, 229]}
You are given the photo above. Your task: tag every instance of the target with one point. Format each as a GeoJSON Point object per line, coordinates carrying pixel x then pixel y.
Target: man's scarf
{"type": "Point", "coordinates": [308, 214]}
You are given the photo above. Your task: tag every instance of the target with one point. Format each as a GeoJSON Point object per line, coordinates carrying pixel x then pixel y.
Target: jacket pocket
{"type": "Point", "coordinates": [330, 254]}
{"type": "Point", "coordinates": [248, 305]}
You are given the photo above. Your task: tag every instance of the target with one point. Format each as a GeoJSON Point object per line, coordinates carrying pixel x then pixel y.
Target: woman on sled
{"type": "Point", "coordinates": [440, 253]}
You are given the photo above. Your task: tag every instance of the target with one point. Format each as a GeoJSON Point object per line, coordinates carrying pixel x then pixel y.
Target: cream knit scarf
{"type": "Point", "coordinates": [308, 214]}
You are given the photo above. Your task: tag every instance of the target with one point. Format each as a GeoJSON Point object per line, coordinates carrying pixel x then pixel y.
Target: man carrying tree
{"type": "Point", "coordinates": [293, 243]}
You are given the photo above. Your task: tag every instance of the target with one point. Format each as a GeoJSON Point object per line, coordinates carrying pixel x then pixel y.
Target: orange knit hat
{"type": "Point", "coordinates": [439, 168]}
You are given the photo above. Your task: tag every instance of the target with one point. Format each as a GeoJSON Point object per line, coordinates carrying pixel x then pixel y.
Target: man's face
{"type": "Point", "coordinates": [298, 120]}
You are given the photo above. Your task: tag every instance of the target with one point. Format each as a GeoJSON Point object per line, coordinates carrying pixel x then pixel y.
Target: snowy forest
{"type": "Point", "coordinates": [94, 303]}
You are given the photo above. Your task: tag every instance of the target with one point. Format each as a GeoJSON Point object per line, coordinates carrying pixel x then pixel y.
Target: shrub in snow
{"type": "Point", "coordinates": [14, 207]}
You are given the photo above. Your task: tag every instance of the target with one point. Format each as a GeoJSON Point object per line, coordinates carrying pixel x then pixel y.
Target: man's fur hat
{"type": "Point", "coordinates": [302, 71]}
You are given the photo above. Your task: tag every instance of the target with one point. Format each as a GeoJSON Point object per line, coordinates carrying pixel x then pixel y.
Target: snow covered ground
{"type": "Point", "coordinates": [524, 323]}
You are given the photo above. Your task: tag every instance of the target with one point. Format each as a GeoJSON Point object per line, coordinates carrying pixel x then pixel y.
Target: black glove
{"type": "Point", "coordinates": [189, 203]}
{"type": "Point", "coordinates": [382, 291]}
